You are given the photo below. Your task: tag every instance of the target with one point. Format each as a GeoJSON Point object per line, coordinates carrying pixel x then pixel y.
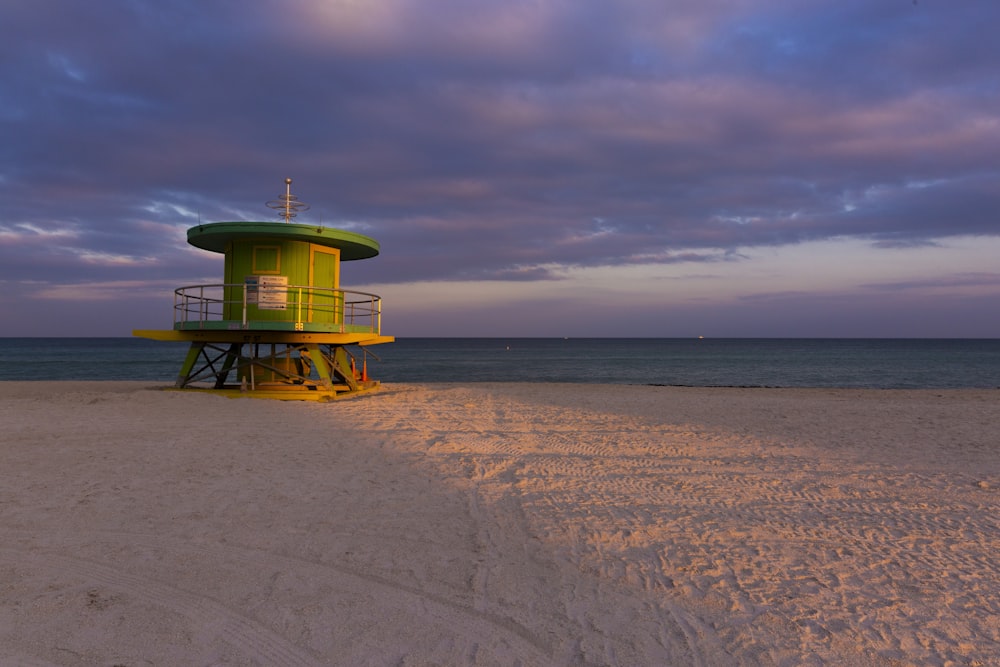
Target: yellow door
{"type": "Point", "coordinates": [325, 304]}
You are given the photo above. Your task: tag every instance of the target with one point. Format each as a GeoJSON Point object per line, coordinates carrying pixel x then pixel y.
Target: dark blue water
{"type": "Point", "coordinates": [870, 363]}
{"type": "Point", "coordinates": [89, 359]}
{"type": "Point", "coordinates": [699, 362]}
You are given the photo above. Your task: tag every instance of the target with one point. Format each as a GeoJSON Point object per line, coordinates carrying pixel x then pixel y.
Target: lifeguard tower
{"type": "Point", "coordinates": [278, 326]}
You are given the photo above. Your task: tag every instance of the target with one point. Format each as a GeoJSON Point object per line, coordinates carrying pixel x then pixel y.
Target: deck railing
{"type": "Point", "coordinates": [303, 306]}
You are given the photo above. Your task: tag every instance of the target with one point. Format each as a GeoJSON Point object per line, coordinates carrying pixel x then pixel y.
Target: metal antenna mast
{"type": "Point", "coordinates": [288, 204]}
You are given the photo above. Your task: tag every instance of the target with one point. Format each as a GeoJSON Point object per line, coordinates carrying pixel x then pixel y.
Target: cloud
{"type": "Point", "coordinates": [100, 291]}
{"type": "Point", "coordinates": [497, 141]}
{"type": "Point", "coordinates": [973, 281]}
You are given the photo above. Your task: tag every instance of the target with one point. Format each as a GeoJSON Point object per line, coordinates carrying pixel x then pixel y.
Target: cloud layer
{"type": "Point", "coordinates": [516, 141]}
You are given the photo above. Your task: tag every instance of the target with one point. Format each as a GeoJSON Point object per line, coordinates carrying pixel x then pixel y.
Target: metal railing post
{"type": "Point", "coordinates": [202, 307]}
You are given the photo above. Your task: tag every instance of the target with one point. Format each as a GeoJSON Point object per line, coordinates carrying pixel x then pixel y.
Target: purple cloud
{"type": "Point", "coordinates": [508, 141]}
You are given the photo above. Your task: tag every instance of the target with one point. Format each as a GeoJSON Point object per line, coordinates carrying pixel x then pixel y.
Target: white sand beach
{"type": "Point", "coordinates": [499, 524]}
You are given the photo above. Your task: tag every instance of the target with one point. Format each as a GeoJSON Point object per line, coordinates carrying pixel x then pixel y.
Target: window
{"type": "Point", "coordinates": [266, 259]}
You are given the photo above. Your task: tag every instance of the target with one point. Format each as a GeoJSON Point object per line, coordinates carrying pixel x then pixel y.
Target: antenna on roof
{"type": "Point", "coordinates": [288, 204]}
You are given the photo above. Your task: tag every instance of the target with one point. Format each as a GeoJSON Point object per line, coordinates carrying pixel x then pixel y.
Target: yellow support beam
{"type": "Point", "coordinates": [244, 336]}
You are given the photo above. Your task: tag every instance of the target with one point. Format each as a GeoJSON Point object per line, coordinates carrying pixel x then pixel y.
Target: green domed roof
{"type": "Point", "coordinates": [214, 236]}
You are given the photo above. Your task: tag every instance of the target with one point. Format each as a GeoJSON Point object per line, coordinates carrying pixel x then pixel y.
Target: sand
{"type": "Point", "coordinates": [499, 524]}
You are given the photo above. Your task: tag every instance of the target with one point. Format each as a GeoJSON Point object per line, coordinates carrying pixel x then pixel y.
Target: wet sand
{"type": "Point", "coordinates": [499, 524]}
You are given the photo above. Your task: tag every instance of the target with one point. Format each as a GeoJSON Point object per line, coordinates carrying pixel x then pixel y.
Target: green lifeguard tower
{"type": "Point", "coordinates": [278, 326]}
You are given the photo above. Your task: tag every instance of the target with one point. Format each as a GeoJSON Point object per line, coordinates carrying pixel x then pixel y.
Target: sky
{"type": "Point", "coordinates": [725, 168]}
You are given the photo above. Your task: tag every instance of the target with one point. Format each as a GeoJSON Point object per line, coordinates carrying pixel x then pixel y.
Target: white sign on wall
{"type": "Point", "coordinates": [268, 292]}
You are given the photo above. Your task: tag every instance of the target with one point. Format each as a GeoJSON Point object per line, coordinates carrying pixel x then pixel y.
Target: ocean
{"type": "Point", "coordinates": [848, 363]}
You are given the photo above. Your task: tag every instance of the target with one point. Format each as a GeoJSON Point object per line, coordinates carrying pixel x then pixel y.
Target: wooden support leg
{"type": "Point", "coordinates": [322, 367]}
{"type": "Point", "coordinates": [342, 367]}
{"type": "Point", "coordinates": [192, 356]}
{"type": "Point", "coordinates": [232, 357]}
